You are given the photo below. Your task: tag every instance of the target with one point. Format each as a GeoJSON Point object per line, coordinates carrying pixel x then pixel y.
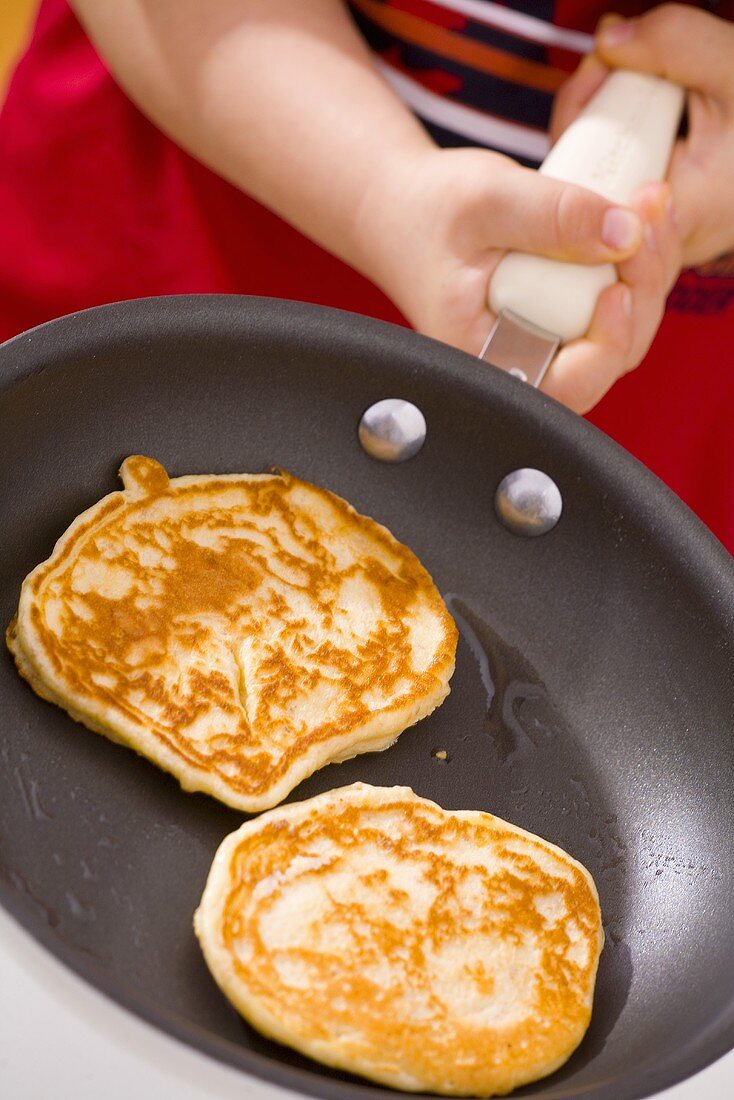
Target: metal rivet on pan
{"type": "Point", "coordinates": [392, 430]}
{"type": "Point", "coordinates": [528, 502]}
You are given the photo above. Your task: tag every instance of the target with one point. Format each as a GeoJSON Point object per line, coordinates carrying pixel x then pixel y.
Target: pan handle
{"type": "Point", "coordinates": [622, 140]}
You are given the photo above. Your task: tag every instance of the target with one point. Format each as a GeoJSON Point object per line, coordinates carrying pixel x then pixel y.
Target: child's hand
{"type": "Point", "coordinates": [444, 219]}
{"type": "Point", "coordinates": [695, 49]}
{"type": "Point", "coordinates": [344, 160]}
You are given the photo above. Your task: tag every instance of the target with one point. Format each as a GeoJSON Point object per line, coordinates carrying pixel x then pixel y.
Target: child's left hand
{"type": "Point", "coordinates": [694, 49]}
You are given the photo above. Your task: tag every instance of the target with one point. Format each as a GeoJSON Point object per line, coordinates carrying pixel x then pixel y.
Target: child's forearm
{"type": "Point", "coordinates": [281, 97]}
{"type": "Point", "coordinates": [278, 96]}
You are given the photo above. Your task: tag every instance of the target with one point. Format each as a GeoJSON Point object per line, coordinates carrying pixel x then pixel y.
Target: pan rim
{"type": "Point", "coordinates": [17, 366]}
{"type": "Point", "coordinates": [706, 564]}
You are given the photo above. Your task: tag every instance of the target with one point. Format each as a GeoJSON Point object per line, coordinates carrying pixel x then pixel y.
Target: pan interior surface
{"type": "Point", "coordinates": [592, 704]}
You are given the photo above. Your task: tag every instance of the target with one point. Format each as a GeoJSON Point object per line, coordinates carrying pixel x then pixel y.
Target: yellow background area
{"type": "Point", "coordinates": [16, 19]}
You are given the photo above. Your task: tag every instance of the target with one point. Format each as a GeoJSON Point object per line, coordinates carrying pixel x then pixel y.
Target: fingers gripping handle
{"type": "Point", "coordinates": [623, 137]}
{"type": "Point", "coordinates": [556, 296]}
{"type": "Point", "coordinates": [621, 140]}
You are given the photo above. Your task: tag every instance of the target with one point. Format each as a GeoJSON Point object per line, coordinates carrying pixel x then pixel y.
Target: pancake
{"type": "Point", "coordinates": [239, 630]}
{"type": "Point", "coordinates": [426, 949]}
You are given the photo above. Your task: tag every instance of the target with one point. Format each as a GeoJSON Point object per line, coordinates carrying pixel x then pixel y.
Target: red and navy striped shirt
{"type": "Point", "coordinates": [477, 72]}
{"type": "Point", "coordinates": [483, 73]}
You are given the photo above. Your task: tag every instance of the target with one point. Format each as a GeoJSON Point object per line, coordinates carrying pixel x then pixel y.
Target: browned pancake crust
{"type": "Point", "coordinates": [351, 1003]}
{"type": "Point", "coordinates": [108, 651]}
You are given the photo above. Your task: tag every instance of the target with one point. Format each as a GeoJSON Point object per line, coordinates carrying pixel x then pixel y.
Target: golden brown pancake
{"type": "Point", "coordinates": [239, 630]}
{"type": "Point", "coordinates": [426, 949]}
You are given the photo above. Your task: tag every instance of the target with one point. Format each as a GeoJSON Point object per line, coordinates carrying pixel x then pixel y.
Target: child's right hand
{"type": "Point", "coordinates": [439, 223]}
{"type": "Point", "coordinates": [283, 99]}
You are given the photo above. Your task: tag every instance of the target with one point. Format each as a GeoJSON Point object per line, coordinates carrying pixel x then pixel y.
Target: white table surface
{"type": "Point", "coordinates": [62, 1040]}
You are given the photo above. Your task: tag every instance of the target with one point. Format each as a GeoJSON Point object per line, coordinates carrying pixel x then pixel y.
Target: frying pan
{"type": "Point", "coordinates": [593, 699]}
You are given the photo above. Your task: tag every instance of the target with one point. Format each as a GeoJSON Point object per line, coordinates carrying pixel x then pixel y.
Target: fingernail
{"type": "Point", "coordinates": [608, 19]}
{"type": "Point", "coordinates": [620, 229]}
{"type": "Point", "coordinates": [617, 34]}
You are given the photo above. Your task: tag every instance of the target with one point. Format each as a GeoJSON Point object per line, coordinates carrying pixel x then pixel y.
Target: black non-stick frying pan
{"type": "Point", "coordinates": [593, 700]}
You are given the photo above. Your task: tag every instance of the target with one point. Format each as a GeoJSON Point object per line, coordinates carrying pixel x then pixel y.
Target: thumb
{"type": "Point", "coordinates": [544, 216]}
{"type": "Point", "coordinates": [693, 48]}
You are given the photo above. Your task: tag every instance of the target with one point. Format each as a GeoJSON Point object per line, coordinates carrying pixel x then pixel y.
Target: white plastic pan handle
{"type": "Point", "coordinates": [622, 140]}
